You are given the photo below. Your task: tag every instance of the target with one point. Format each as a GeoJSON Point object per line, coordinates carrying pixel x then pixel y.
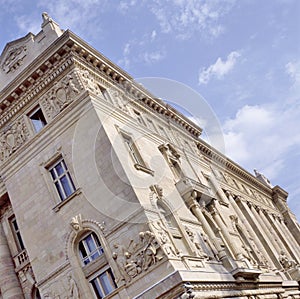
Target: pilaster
{"type": "Point", "coordinates": [9, 283]}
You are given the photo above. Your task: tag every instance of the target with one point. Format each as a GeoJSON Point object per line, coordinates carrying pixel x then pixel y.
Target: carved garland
{"type": "Point", "coordinates": [12, 138]}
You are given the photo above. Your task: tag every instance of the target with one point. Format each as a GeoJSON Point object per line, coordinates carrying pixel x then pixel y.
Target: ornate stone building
{"type": "Point", "coordinates": [106, 191]}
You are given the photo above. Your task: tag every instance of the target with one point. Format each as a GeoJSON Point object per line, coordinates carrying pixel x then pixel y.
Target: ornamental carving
{"type": "Point", "coordinates": [138, 256]}
{"type": "Point", "coordinates": [76, 223]}
{"type": "Point", "coordinates": [169, 151]}
{"type": "Point", "coordinates": [285, 261]}
{"type": "Point", "coordinates": [194, 238]}
{"type": "Point", "coordinates": [89, 82]}
{"type": "Point", "coordinates": [62, 288]}
{"type": "Point", "coordinates": [61, 95]}
{"type": "Point", "coordinates": [12, 138]}
{"type": "Point", "coordinates": [164, 238]}
{"type": "Point", "coordinates": [118, 99]}
{"type": "Point", "coordinates": [14, 59]}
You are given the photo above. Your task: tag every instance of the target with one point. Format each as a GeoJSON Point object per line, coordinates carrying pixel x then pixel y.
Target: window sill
{"type": "Point", "coordinates": [99, 263]}
{"type": "Point", "coordinates": [144, 168]}
{"type": "Point", "coordinates": [62, 203]}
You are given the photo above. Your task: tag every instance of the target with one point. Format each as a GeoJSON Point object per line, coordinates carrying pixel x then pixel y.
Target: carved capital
{"type": "Point", "coordinates": [229, 194]}
{"type": "Point", "coordinates": [156, 189]}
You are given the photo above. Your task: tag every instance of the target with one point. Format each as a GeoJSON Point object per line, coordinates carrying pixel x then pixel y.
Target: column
{"type": "Point", "coordinates": [257, 224]}
{"type": "Point", "coordinates": [292, 239]}
{"type": "Point", "coordinates": [9, 282]}
{"type": "Point", "coordinates": [216, 215]}
{"type": "Point", "coordinates": [196, 210]}
{"type": "Point", "coordinates": [279, 197]}
{"type": "Point", "coordinates": [248, 227]}
{"type": "Point", "coordinates": [285, 237]}
{"type": "Point", "coordinates": [269, 229]}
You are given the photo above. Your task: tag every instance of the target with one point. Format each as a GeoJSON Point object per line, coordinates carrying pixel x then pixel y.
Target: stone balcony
{"type": "Point", "coordinates": [21, 260]}
{"type": "Point", "coordinates": [186, 186]}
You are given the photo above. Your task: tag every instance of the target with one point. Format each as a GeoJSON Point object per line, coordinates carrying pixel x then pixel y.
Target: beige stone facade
{"type": "Point", "coordinates": [107, 191]}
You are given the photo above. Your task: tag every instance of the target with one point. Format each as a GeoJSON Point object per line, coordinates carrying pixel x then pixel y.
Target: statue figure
{"type": "Point", "coordinates": [196, 242]}
{"type": "Point", "coordinates": [262, 178]}
{"type": "Point", "coordinates": [73, 290]}
{"type": "Point", "coordinates": [285, 261]}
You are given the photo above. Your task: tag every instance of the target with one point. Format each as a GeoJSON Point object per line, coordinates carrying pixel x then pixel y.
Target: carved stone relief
{"type": "Point", "coordinates": [248, 248]}
{"type": "Point", "coordinates": [196, 241]}
{"type": "Point", "coordinates": [76, 222]}
{"type": "Point", "coordinates": [62, 288]}
{"type": "Point", "coordinates": [169, 151]}
{"type": "Point", "coordinates": [285, 261]}
{"type": "Point", "coordinates": [12, 138]}
{"type": "Point", "coordinates": [60, 95]}
{"type": "Point", "coordinates": [89, 82]}
{"type": "Point", "coordinates": [138, 256]}
{"type": "Point", "coordinates": [118, 99]}
{"type": "Point", "coordinates": [163, 237]}
{"type": "Point", "coordinates": [14, 59]}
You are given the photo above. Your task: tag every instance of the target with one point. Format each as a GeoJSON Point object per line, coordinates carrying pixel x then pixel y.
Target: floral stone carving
{"type": "Point", "coordinates": [61, 95]}
{"type": "Point", "coordinates": [12, 138]}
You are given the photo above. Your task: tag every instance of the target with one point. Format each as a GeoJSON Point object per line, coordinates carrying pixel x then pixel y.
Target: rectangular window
{"type": "Point", "coordinates": [17, 234]}
{"type": "Point", "coordinates": [103, 284]}
{"type": "Point", "coordinates": [37, 119]}
{"type": "Point", "coordinates": [134, 153]}
{"type": "Point", "coordinates": [176, 169]}
{"type": "Point", "coordinates": [62, 179]}
{"type": "Point", "coordinates": [138, 117]}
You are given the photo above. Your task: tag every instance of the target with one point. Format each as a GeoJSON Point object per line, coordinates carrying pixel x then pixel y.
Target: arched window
{"type": "Point", "coordinates": [95, 265]}
{"type": "Point", "coordinates": [89, 248]}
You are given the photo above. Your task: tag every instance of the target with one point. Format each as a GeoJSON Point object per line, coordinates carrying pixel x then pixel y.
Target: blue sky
{"type": "Point", "coordinates": [241, 56]}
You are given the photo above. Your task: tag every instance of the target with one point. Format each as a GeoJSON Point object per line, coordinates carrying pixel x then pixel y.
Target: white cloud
{"type": "Point", "coordinates": [153, 35]}
{"type": "Point", "coordinates": [262, 137]}
{"type": "Point", "coordinates": [150, 57]}
{"type": "Point", "coordinates": [219, 69]}
{"type": "Point", "coordinates": [124, 5]}
{"type": "Point", "coordinates": [293, 70]}
{"type": "Point", "coordinates": [125, 61]}
{"type": "Point", "coordinates": [81, 16]}
{"type": "Point", "coordinates": [185, 17]}
{"type": "Point", "coordinates": [28, 25]}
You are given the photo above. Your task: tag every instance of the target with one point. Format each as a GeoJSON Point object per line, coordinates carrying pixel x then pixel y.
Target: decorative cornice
{"type": "Point", "coordinates": [129, 86]}
{"type": "Point", "coordinates": [70, 43]}
{"type": "Point", "coordinates": [31, 87]}
{"type": "Point", "coordinates": [221, 160]}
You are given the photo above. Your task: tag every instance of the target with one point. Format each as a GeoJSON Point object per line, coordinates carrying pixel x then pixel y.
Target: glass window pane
{"type": "Point", "coordinates": [52, 172]}
{"type": "Point", "coordinates": [95, 255]}
{"type": "Point", "coordinates": [66, 185]}
{"type": "Point", "coordinates": [59, 169]}
{"type": "Point", "coordinates": [82, 250]}
{"type": "Point", "coordinates": [61, 193]}
{"type": "Point", "coordinates": [22, 247]}
{"type": "Point", "coordinates": [97, 288]}
{"type": "Point", "coordinates": [90, 243]}
{"type": "Point", "coordinates": [106, 283]}
{"type": "Point", "coordinates": [14, 222]}
{"type": "Point", "coordinates": [38, 120]}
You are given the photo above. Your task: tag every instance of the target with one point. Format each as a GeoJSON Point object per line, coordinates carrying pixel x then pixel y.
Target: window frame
{"type": "Point", "coordinates": [16, 234]}
{"type": "Point", "coordinates": [98, 249]}
{"type": "Point", "coordinates": [135, 154]}
{"type": "Point", "coordinates": [43, 121]}
{"type": "Point", "coordinates": [57, 179]}
{"type": "Point", "coordinates": [96, 277]}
